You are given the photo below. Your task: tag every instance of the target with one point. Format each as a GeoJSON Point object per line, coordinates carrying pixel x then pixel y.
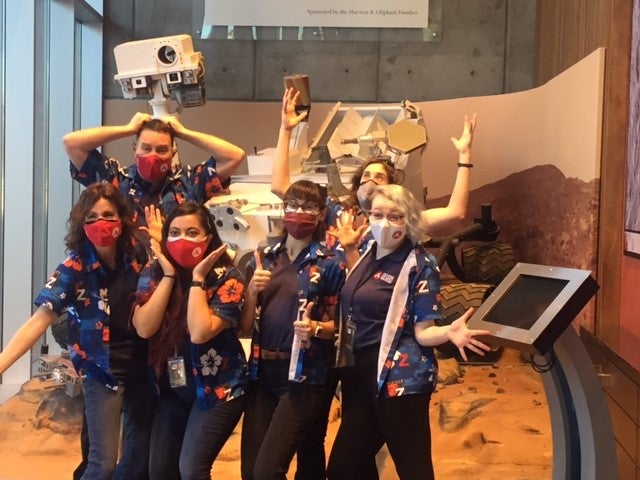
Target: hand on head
{"type": "Point", "coordinates": [138, 120]}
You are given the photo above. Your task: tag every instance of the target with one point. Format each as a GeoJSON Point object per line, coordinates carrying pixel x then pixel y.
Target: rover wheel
{"type": "Point", "coordinates": [455, 300]}
{"type": "Point", "coordinates": [487, 263]}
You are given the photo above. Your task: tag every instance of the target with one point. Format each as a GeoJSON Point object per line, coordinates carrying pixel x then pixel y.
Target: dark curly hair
{"type": "Point", "coordinates": [393, 175]}
{"type": "Point", "coordinates": [75, 238]}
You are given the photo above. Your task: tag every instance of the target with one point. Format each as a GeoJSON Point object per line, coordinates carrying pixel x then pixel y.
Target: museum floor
{"type": "Point", "coordinates": [488, 422]}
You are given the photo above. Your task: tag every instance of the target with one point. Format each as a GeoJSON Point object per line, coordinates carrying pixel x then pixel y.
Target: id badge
{"type": "Point", "coordinates": [346, 343]}
{"type": "Point", "coordinates": [177, 373]}
{"type": "Point", "coordinates": [349, 341]}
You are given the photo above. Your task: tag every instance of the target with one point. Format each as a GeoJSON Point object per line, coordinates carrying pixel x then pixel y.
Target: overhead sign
{"type": "Point", "coordinates": [315, 13]}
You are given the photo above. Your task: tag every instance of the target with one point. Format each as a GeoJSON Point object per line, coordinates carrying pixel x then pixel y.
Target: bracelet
{"type": "Point", "coordinates": [465, 165]}
{"type": "Point", "coordinates": [168, 276]}
{"type": "Point", "coordinates": [195, 283]}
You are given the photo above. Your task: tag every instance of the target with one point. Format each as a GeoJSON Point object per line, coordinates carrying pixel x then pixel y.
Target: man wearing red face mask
{"type": "Point", "coordinates": [152, 180]}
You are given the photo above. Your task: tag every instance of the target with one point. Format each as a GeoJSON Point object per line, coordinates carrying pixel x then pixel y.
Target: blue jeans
{"type": "Point", "coordinates": [102, 409]}
{"type": "Point", "coordinates": [185, 440]}
{"type": "Point", "coordinates": [207, 432]}
{"type": "Point", "coordinates": [277, 417]}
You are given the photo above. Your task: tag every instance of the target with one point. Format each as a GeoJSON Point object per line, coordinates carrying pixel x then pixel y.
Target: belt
{"type": "Point", "coordinates": [274, 354]}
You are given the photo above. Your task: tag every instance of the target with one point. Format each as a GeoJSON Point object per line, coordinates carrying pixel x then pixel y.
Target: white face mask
{"type": "Point", "coordinates": [388, 236]}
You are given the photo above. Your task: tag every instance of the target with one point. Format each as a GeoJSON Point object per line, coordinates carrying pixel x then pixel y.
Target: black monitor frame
{"type": "Point", "coordinates": [579, 288]}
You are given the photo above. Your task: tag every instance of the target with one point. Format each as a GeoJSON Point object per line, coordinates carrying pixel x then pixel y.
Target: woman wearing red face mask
{"type": "Point", "coordinates": [293, 284]}
{"type": "Point", "coordinates": [95, 285]}
{"type": "Point", "coordinates": [189, 306]}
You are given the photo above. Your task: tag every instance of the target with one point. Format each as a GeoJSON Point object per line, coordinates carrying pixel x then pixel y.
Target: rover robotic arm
{"type": "Point", "coordinates": [166, 69]}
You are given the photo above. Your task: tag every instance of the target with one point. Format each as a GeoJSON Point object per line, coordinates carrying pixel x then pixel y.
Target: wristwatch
{"type": "Point", "coordinates": [200, 284]}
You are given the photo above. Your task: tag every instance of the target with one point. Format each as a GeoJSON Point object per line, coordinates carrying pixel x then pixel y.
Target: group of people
{"type": "Point", "coordinates": [155, 306]}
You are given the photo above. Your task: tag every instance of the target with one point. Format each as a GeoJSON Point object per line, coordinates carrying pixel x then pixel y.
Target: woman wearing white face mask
{"type": "Point", "coordinates": [387, 310]}
{"type": "Point", "coordinates": [189, 304]}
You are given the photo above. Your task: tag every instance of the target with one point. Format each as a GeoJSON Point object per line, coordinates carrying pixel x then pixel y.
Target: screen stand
{"type": "Point", "coordinates": [583, 442]}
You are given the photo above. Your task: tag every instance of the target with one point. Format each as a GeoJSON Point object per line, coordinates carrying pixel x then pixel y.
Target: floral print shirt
{"type": "Point", "coordinates": [219, 365]}
{"type": "Point", "coordinates": [184, 184]}
{"type": "Point", "coordinates": [77, 287]}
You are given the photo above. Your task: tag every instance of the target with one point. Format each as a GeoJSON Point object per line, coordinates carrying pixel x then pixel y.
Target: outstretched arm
{"type": "Point", "coordinates": [280, 177]}
{"type": "Point", "coordinates": [457, 207]}
{"type": "Point", "coordinates": [429, 335]}
{"type": "Point", "coordinates": [26, 336]}
{"type": "Point", "coordinates": [78, 144]}
{"type": "Point", "coordinates": [228, 156]}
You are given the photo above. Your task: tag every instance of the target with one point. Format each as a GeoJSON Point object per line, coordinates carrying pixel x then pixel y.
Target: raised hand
{"type": "Point", "coordinates": [261, 277]}
{"type": "Point", "coordinates": [202, 269]}
{"type": "Point", "coordinates": [165, 264]}
{"type": "Point", "coordinates": [463, 144]}
{"type": "Point", "coordinates": [174, 123]}
{"type": "Point", "coordinates": [344, 231]}
{"type": "Point", "coordinates": [289, 116]}
{"type": "Point", "coordinates": [137, 120]}
{"type": "Point", "coordinates": [154, 223]}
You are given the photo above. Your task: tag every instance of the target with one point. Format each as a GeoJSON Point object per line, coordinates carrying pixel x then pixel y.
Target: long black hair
{"type": "Point", "coordinates": [174, 325]}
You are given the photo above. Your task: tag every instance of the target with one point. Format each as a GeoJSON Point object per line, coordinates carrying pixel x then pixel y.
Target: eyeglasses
{"type": "Point", "coordinates": [310, 208]}
{"type": "Point", "coordinates": [92, 218]}
{"type": "Point", "coordinates": [392, 218]}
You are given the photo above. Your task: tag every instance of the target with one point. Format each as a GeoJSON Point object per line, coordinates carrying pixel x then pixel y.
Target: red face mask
{"type": "Point", "coordinates": [103, 233]}
{"type": "Point", "coordinates": [299, 224]}
{"type": "Point", "coordinates": [152, 168]}
{"type": "Point", "coordinates": [186, 252]}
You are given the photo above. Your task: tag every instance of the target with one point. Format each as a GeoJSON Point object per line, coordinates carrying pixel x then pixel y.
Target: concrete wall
{"type": "Point", "coordinates": [482, 47]}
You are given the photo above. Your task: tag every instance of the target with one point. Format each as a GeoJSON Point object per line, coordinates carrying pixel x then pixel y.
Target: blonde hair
{"type": "Point", "coordinates": [407, 204]}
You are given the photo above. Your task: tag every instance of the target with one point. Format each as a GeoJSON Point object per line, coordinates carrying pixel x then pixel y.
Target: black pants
{"type": "Point", "coordinates": [278, 415]}
{"type": "Point", "coordinates": [369, 422]}
{"type": "Point", "coordinates": [311, 459]}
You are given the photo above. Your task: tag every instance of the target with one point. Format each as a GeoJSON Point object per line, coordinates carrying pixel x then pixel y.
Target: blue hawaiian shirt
{"type": "Point", "coordinates": [320, 276]}
{"type": "Point", "coordinates": [196, 184]}
{"type": "Point", "coordinates": [404, 366]}
{"type": "Point", "coordinates": [75, 287]}
{"type": "Point", "coordinates": [219, 365]}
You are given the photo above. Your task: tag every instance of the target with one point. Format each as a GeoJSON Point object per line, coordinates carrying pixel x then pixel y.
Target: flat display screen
{"type": "Point", "coordinates": [525, 301]}
{"type": "Point", "coordinates": [533, 305]}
